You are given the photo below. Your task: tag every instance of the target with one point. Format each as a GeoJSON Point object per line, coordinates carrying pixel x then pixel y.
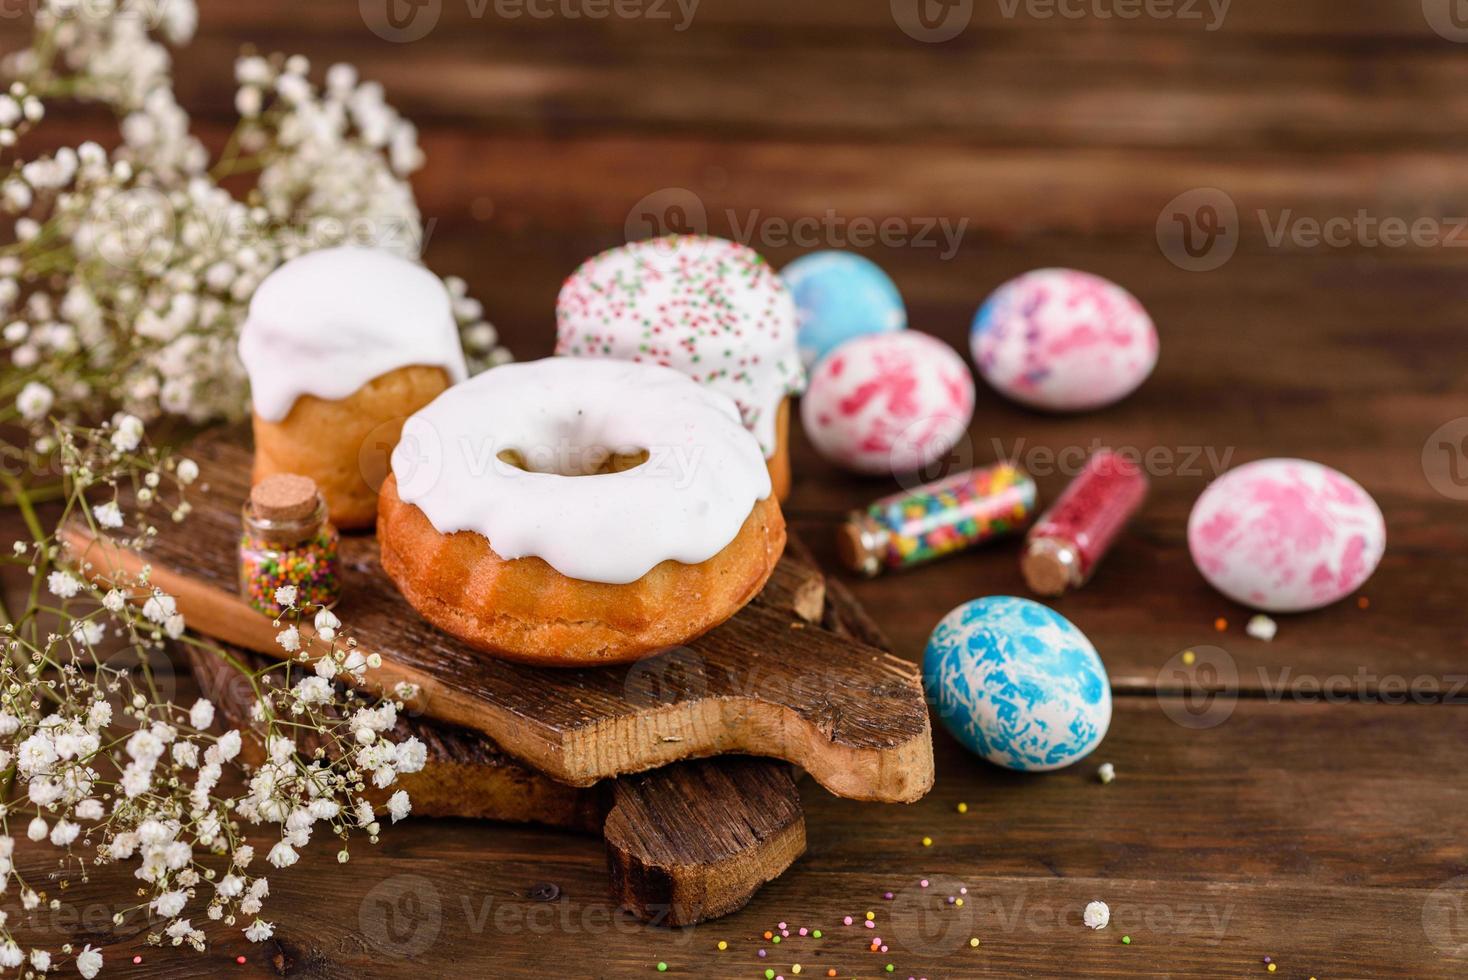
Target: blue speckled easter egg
{"type": "Point", "coordinates": [838, 296]}
{"type": "Point", "coordinates": [1017, 683]}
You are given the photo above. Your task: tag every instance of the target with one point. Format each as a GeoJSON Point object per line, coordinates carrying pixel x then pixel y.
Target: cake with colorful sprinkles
{"type": "Point", "coordinates": [711, 308]}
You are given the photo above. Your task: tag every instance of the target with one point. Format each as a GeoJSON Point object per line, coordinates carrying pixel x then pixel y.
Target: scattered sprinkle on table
{"type": "Point", "coordinates": [888, 896]}
{"type": "Point", "coordinates": [847, 920]}
{"type": "Point", "coordinates": [775, 940]}
{"type": "Point", "coordinates": [1220, 624]}
{"type": "Point", "coordinates": [831, 972]}
{"type": "Point", "coordinates": [1106, 772]}
{"type": "Point", "coordinates": [974, 942]}
{"type": "Point", "coordinates": [871, 916]}
{"type": "Point", "coordinates": [927, 842]}
{"type": "Point", "coordinates": [769, 975]}
{"type": "Point", "coordinates": [795, 968]}
{"type": "Point", "coordinates": [1189, 657]}
{"type": "Point", "coordinates": [923, 883]}
{"type": "Point", "coordinates": [963, 808]}
{"type": "Point", "coordinates": [816, 934]}
{"type": "Point", "coordinates": [1126, 940]}
{"type": "Point", "coordinates": [1096, 915]}
{"type": "Point", "coordinates": [662, 967]}
{"type": "Point", "coordinates": [1362, 602]}
{"type": "Point", "coordinates": [723, 945]}
{"type": "Point", "coordinates": [890, 967]}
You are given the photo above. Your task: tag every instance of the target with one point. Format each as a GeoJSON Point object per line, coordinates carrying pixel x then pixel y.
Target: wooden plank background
{"type": "Point", "coordinates": [1328, 835]}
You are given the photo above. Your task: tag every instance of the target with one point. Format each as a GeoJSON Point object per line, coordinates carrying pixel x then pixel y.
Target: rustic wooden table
{"type": "Point", "coordinates": [1314, 811]}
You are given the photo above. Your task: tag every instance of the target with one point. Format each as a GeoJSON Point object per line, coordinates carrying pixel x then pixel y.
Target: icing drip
{"type": "Point", "coordinates": [686, 501]}
{"type": "Point", "coordinates": [710, 308]}
{"type": "Point", "coordinates": [328, 322]}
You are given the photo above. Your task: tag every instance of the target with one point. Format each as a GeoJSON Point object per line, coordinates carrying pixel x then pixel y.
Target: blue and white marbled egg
{"type": "Point", "coordinates": [838, 296]}
{"type": "Point", "coordinates": [1017, 683]}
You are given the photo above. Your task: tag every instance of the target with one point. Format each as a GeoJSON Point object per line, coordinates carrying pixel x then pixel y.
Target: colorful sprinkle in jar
{"type": "Point", "coordinates": [287, 540]}
{"type": "Point", "coordinates": [937, 519]}
{"type": "Point", "coordinates": [1069, 541]}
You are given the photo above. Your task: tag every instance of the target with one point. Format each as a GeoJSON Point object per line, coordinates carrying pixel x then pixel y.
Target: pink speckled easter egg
{"type": "Point", "coordinates": [1285, 535]}
{"type": "Point", "coordinates": [888, 403]}
{"type": "Point", "coordinates": [1063, 341]}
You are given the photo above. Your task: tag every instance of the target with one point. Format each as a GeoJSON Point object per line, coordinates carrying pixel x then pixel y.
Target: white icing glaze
{"type": "Point", "coordinates": [686, 502]}
{"type": "Point", "coordinates": [711, 308]}
{"type": "Point", "coordinates": [330, 321]}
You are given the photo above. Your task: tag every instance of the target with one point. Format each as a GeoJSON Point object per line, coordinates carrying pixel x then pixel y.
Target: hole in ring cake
{"type": "Point", "coordinates": [570, 512]}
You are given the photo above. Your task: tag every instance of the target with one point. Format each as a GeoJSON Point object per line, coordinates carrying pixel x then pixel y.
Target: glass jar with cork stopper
{"type": "Point", "coordinates": [288, 540]}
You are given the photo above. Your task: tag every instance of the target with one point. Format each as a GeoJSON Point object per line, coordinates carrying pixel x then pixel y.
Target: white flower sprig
{"type": "Point", "coordinates": [99, 762]}
{"type": "Point", "coordinates": [131, 270]}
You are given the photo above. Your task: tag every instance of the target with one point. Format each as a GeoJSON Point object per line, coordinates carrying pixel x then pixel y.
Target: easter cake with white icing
{"type": "Point", "coordinates": [572, 512]}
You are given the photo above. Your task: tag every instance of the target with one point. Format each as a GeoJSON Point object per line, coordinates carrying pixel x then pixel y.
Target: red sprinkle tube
{"type": "Point", "coordinates": [1064, 547]}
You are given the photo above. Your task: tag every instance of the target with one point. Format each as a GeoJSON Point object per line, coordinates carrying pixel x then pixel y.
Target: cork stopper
{"type": "Point", "coordinates": [858, 545]}
{"type": "Point", "coordinates": [284, 497]}
{"type": "Point", "coordinates": [1050, 566]}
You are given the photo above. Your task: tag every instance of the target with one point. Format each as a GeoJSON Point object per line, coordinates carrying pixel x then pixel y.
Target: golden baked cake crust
{"type": "Point", "coordinates": [525, 610]}
{"type": "Point", "coordinates": [345, 445]}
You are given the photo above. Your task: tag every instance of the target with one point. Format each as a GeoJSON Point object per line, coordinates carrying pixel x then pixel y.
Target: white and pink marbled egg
{"type": "Point", "coordinates": [1286, 535]}
{"type": "Point", "coordinates": [1063, 341]}
{"type": "Point", "coordinates": [888, 403]}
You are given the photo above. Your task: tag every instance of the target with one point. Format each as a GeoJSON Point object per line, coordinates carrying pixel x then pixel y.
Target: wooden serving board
{"type": "Point", "coordinates": [686, 843]}
{"type": "Point", "coordinates": [765, 683]}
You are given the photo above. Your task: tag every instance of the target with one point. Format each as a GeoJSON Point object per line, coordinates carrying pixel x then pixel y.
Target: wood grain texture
{"type": "Point", "coordinates": [764, 683]}
{"type": "Point", "coordinates": [1326, 834]}
{"type": "Point", "coordinates": [1287, 830]}
{"type": "Point", "coordinates": [686, 843]}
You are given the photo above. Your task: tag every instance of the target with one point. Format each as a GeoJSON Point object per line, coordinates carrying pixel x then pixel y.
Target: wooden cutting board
{"type": "Point", "coordinates": [686, 843]}
{"type": "Point", "coordinates": [764, 683]}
